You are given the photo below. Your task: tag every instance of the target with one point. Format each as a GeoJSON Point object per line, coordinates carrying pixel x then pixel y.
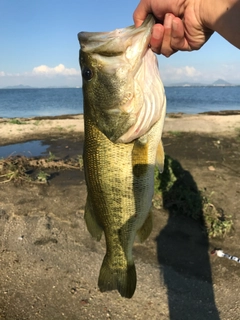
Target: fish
{"type": "Point", "coordinates": [124, 110]}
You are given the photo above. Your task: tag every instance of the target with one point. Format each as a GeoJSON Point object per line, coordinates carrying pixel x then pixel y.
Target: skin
{"type": "Point", "coordinates": [187, 25]}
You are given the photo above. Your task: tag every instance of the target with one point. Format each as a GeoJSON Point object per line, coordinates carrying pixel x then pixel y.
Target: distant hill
{"type": "Point", "coordinates": [186, 84]}
{"type": "Point", "coordinates": [217, 83]}
{"type": "Point", "coordinates": [221, 82]}
{"type": "Point", "coordinates": [20, 86]}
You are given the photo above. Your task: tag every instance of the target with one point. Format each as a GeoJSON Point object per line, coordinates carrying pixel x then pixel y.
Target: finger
{"type": "Point", "coordinates": [178, 39]}
{"type": "Point", "coordinates": [157, 37]}
{"type": "Point", "coordinates": [166, 48]}
{"type": "Point", "coordinates": [141, 12]}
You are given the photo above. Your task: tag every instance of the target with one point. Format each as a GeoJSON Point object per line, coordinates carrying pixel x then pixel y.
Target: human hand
{"type": "Point", "coordinates": [181, 29]}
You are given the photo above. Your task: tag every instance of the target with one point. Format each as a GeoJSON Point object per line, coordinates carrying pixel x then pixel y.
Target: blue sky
{"type": "Point", "coordinates": [39, 45]}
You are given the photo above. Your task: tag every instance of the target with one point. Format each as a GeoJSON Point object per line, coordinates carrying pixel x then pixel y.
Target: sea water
{"type": "Point", "coordinates": [25, 103]}
{"type": "Point", "coordinates": [28, 149]}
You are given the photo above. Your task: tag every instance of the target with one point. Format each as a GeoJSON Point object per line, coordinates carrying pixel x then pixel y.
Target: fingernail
{"type": "Point", "coordinates": [168, 20]}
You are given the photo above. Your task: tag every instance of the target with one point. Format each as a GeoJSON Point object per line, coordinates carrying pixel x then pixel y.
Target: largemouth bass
{"type": "Point", "coordinates": [124, 111]}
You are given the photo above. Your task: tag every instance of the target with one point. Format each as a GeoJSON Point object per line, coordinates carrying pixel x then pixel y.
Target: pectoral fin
{"type": "Point", "coordinates": [92, 225]}
{"type": "Point", "coordinates": [140, 157]}
{"type": "Point", "coordinates": [160, 157]}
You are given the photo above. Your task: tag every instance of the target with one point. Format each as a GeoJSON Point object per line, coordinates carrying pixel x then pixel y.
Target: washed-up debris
{"type": "Point", "coordinates": [221, 254]}
{"type": "Point", "coordinates": [19, 168]}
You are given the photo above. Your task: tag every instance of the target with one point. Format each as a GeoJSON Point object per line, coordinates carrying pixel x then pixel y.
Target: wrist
{"type": "Point", "coordinates": [207, 13]}
{"type": "Point", "coordinates": [222, 16]}
{"type": "Point", "coordinates": [211, 12]}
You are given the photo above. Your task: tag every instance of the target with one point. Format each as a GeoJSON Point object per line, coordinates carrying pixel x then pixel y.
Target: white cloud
{"type": "Point", "coordinates": [180, 73]}
{"type": "Point", "coordinates": [58, 70]}
{"type": "Point", "coordinates": [43, 76]}
{"type": "Point", "coordinates": [177, 71]}
{"type": "Point", "coordinates": [191, 71]}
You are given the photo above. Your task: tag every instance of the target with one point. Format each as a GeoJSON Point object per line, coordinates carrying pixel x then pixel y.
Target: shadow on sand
{"type": "Point", "coordinates": [183, 248]}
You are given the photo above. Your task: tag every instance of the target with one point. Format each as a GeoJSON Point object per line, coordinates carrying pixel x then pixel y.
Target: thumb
{"type": "Point", "coordinates": [141, 13]}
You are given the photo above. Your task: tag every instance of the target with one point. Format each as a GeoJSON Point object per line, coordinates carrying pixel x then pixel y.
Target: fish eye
{"type": "Point", "coordinates": [87, 73]}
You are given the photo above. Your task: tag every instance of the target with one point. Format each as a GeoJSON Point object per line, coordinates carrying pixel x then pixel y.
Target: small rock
{"type": "Point", "coordinates": [211, 168]}
{"type": "Point", "coordinates": [3, 214]}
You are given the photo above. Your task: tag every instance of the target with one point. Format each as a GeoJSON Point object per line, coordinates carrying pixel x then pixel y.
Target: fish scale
{"type": "Point", "coordinates": [118, 175]}
{"type": "Point", "coordinates": [124, 110]}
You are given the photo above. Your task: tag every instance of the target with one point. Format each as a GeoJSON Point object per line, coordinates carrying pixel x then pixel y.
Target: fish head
{"type": "Point", "coordinates": [119, 71]}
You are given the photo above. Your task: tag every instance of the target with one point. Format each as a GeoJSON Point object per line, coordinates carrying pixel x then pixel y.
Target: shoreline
{"type": "Point", "coordinates": [13, 130]}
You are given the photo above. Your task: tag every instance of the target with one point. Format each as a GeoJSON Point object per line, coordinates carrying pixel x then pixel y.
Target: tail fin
{"type": "Point", "coordinates": [123, 280]}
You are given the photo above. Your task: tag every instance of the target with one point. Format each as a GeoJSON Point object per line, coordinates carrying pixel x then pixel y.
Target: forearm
{"type": "Point", "coordinates": [222, 16]}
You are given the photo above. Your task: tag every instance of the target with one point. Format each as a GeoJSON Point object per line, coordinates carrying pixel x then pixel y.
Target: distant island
{"type": "Point", "coordinates": [221, 82]}
{"type": "Point", "coordinates": [21, 86]}
{"type": "Point", "coordinates": [217, 83]}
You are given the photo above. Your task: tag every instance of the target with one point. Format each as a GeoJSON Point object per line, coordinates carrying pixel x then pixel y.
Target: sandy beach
{"type": "Point", "coordinates": [22, 129]}
{"type": "Point", "coordinates": [49, 263]}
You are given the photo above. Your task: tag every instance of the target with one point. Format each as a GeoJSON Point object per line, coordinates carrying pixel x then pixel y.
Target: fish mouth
{"type": "Point", "coordinates": [124, 57]}
{"type": "Point", "coordinates": [119, 41]}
